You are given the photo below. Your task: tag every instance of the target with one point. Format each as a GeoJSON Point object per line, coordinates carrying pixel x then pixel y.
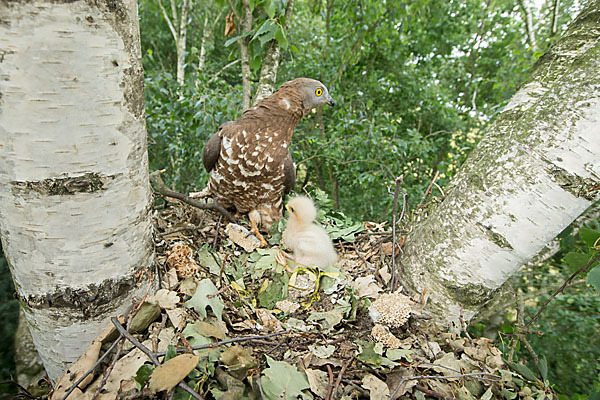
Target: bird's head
{"type": "Point", "coordinates": [302, 209]}
{"type": "Point", "coordinates": [314, 93]}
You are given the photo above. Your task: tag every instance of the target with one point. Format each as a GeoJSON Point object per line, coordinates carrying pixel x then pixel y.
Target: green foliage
{"type": "Point", "coordinates": [204, 297]}
{"type": "Point", "coordinates": [571, 359]}
{"type": "Point", "coordinates": [416, 83]}
{"type": "Point", "coordinates": [180, 120]}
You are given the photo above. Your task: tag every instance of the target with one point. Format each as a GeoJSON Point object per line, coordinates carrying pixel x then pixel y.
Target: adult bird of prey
{"type": "Point", "coordinates": [248, 159]}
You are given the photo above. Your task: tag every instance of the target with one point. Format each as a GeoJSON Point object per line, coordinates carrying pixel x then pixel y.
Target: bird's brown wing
{"type": "Point", "coordinates": [289, 171]}
{"type": "Point", "coordinates": [212, 148]}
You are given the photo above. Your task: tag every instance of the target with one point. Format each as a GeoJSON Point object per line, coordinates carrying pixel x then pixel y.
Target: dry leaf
{"type": "Point", "coordinates": [268, 320]}
{"type": "Point", "coordinates": [177, 317]}
{"type": "Point", "coordinates": [164, 298]}
{"type": "Point", "coordinates": [378, 390]}
{"type": "Point", "coordinates": [124, 369]}
{"type": "Point", "coordinates": [287, 306]}
{"type": "Point", "coordinates": [366, 286]}
{"type": "Point", "coordinates": [168, 375]}
{"type": "Point", "coordinates": [229, 25]}
{"type": "Point", "coordinates": [81, 366]}
{"type": "Point", "coordinates": [209, 330]}
{"type": "Point", "coordinates": [384, 272]}
{"type": "Point", "coordinates": [242, 237]}
{"type": "Point", "coordinates": [318, 381]}
{"type": "Point", "coordinates": [169, 280]}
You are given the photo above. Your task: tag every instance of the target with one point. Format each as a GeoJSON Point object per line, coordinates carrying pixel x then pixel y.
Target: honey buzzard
{"type": "Point", "coordinates": [248, 159]}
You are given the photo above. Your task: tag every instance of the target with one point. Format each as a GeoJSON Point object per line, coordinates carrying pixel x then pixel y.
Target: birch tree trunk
{"type": "Point", "coordinates": [270, 63]}
{"type": "Point", "coordinates": [535, 171]}
{"type": "Point", "coordinates": [179, 32]}
{"type": "Point", "coordinates": [74, 190]}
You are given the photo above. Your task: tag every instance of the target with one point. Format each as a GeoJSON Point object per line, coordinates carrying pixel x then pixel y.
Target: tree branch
{"type": "Point", "coordinates": [150, 355]}
{"type": "Point", "coordinates": [161, 188]}
{"type": "Point", "coordinates": [166, 16]}
{"type": "Point", "coordinates": [564, 285]}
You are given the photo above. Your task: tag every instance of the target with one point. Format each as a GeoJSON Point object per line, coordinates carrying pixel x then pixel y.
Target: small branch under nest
{"type": "Point", "coordinates": [161, 187]}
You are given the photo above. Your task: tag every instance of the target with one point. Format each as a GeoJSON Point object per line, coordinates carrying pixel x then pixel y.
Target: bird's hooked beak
{"type": "Point", "coordinates": [330, 101]}
{"type": "Point", "coordinates": [287, 207]}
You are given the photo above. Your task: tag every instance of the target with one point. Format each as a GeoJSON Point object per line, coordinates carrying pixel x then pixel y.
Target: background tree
{"type": "Point", "coordinates": [74, 190]}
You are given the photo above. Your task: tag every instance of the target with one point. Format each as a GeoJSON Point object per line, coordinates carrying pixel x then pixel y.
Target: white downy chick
{"type": "Point", "coordinates": [309, 242]}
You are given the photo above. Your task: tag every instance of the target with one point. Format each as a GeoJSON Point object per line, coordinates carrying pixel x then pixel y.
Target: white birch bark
{"type": "Point", "coordinates": [535, 171]}
{"type": "Point", "coordinates": [270, 62]}
{"type": "Point", "coordinates": [74, 190]}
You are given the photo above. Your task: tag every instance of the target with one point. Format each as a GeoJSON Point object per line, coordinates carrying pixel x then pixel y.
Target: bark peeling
{"type": "Point", "coordinates": [87, 183]}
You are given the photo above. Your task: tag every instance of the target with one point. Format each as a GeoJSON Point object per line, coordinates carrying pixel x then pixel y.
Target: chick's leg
{"type": "Point", "coordinates": [255, 221]}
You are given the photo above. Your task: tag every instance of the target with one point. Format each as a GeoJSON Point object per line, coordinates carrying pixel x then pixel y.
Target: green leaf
{"type": "Point", "coordinates": [147, 314]}
{"type": "Point", "coordinates": [237, 37]}
{"type": "Point", "coordinates": [589, 236]}
{"type": "Point", "coordinates": [372, 357]}
{"type": "Point", "coordinates": [294, 49]}
{"type": "Point", "coordinates": [202, 298]}
{"type": "Point", "coordinates": [398, 354]}
{"type": "Point", "coordinates": [283, 381]}
{"type": "Point", "coordinates": [576, 260]}
{"type": "Point", "coordinates": [194, 337]}
{"type": "Point", "coordinates": [170, 353]}
{"type": "Point", "coordinates": [593, 278]}
{"type": "Point", "coordinates": [508, 395]}
{"type": "Point", "coordinates": [543, 367]}
{"type": "Point", "coordinates": [268, 27]}
{"type": "Point", "coordinates": [209, 260]}
{"type": "Point", "coordinates": [270, 8]}
{"type": "Point", "coordinates": [281, 37]}
{"type": "Point", "coordinates": [256, 62]}
{"type": "Point", "coordinates": [522, 370]}
{"type": "Point", "coordinates": [275, 291]}
{"type": "Point", "coordinates": [142, 376]}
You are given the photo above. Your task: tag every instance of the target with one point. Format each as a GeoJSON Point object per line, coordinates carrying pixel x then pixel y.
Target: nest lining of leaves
{"type": "Point", "coordinates": [227, 324]}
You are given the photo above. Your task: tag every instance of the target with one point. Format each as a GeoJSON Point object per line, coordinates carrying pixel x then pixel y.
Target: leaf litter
{"type": "Point", "coordinates": [235, 324]}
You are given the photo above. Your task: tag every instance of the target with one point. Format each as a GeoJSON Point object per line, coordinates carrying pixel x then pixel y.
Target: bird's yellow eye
{"type": "Point", "coordinates": [319, 91]}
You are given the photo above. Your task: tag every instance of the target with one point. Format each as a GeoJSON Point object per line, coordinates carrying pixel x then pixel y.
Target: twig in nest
{"type": "Point", "coordinates": [150, 355]}
{"type": "Point", "coordinates": [180, 229]}
{"type": "Point", "coordinates": [560, 289]}
{"type": "Point", "coordinates": [521, 332]}
{"type": "Point", "coordinates": [165, 191]}
{"type": "Point", "coordinates": [214, 245]}
{"type": "Point", "coordinates": [24, 391]}
{"type": "Point", "coordinates": [89, 371]}
{"type": "Point", "coordinates": [121, 340]}
{"type": "Point", "coordinates": [340, 376]}
{"type": "Point", "coordinates": [364, 260]}
{"type": "Point", "coordinates": [330, 372]}
{"type": "Point", "coordinates": [234, 340]}
{"type": "Point", "coordinates": [222, 269]}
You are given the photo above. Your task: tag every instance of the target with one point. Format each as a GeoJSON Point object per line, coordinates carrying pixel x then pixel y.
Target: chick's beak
{"type": "Point", "coordinates": [287, 207]}
{"type": "Point", "coordinates": [331, 101]}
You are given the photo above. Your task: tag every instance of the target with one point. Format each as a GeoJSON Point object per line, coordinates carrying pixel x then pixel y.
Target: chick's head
{"type": "Point", "coordinates": [302, 209]}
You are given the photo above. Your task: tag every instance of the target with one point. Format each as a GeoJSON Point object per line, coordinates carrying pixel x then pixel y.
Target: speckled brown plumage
{"type": "Point", "coordinates": [249, 159]}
